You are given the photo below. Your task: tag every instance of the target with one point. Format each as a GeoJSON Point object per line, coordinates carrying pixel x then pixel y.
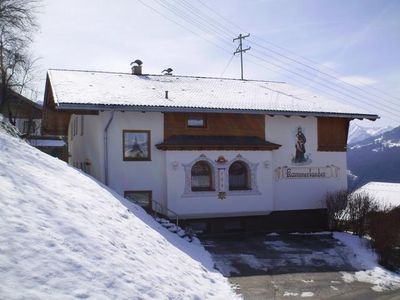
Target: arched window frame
{"type": "Point", "coordinates": [188, 178]}
{"type": "Point", "coordinates": [252, 180]}
{"type": "Point", "coordinates": [247, 185]}
{"type": "Point", "coordinates": [210, 175]}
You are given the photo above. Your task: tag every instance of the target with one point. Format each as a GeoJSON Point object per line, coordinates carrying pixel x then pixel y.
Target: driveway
{"type": "Point", "coordinates": [290, 266]}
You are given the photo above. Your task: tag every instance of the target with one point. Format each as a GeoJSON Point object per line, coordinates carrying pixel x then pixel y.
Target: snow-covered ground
{"type": "Point", "coordinates": [64, 235]}
{"type": "Point", "coordinates": [365, 259]}
{"type": "Point", "coordinates": [349, 256]}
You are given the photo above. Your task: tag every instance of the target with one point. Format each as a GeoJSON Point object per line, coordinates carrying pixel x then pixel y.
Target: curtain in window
{"type": "Point", "coordinates": [238, 176]}
{"type": "Point", "coordinates": [201, 176]}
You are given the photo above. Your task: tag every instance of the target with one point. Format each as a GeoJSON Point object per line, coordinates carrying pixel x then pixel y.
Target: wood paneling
{"type": "Point", "coordinates": [217, 125]}
{"type": "Point", "coordinates": [332, 134]}
{"type": "Point", "coordinates": [55, 122]}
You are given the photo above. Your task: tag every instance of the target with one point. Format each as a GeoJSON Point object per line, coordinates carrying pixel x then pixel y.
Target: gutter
{"type": "Point", "coordinates": [106, 148]}
{"type": "Point", "coordinates": [105, 107]}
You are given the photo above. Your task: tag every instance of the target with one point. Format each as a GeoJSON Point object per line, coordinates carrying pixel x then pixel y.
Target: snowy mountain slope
{"type": "Point", "coordinates": [63, 235]}
{"type": "Point", "coordinates": [358, 133]}
{"type": "Point", "coordinates": [376, 158]}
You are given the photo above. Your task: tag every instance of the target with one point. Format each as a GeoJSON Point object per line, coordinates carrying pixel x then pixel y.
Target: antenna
{"type": "Point", "coordinates": [241, 50]}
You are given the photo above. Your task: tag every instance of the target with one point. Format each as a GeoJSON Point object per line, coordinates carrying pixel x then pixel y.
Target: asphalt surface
{"type": "Point", "coordinates": [289, 267]}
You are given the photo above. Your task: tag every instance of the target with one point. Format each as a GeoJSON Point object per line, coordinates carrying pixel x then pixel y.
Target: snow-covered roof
{"type": "Point", "coordinates": [106, 90]}
{"type": "Point", "coordinates": [386, 193]}
{"type": "Point", "coordinates": [47, 142]}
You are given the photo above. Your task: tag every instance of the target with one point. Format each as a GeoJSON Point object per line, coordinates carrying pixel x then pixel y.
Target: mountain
{"type": "Point", "coordinates": [375, 158]}
{"type": "Point", "coordinates": [64, 235]}
{"type": "Point", "coordinates": [358, 133]}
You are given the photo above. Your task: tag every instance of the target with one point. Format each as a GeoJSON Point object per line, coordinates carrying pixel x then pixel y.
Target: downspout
{"type": "Point", "coordinates": [106, 148]}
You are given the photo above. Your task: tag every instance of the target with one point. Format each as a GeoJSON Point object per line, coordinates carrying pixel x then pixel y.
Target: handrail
{"type": "Point", "coordinates": [163, 207]}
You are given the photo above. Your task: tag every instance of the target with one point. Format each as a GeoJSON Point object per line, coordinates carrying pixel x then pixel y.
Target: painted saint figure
{"type": "Point", "coordinates": [300, 146]}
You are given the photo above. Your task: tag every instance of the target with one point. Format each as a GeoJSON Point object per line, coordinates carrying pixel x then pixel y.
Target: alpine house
{"type": "Point", "coordinates": [219, 154]}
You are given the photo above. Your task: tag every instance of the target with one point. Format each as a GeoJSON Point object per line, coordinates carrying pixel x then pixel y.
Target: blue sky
{"type": "Point", "coordinates": [357, 41]}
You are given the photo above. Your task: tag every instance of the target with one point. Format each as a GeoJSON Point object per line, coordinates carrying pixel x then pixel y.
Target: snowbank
{"type": "Point", "coordinates": [64, 235]}
{"type": "Point", "coordinates": [364, 258]}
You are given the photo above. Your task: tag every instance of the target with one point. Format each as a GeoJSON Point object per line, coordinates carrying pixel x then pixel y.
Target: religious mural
{"type": "Point", "coordinates": [300, 157]}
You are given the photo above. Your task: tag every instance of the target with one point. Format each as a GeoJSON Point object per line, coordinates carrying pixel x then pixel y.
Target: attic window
{"type": "Point", "coordinates": [196, 121]}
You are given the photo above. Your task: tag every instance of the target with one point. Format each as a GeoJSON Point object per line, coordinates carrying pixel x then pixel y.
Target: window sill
{"type": "Point", "coordinates": [239, 189]}
{"type": "Point", "coordinates": [202, 190]}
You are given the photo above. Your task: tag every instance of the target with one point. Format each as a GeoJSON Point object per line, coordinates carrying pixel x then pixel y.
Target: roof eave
{"type": "Point", "coordinates": [146, 108]}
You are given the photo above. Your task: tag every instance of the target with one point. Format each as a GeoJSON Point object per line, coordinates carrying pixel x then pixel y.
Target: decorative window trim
{"type": "Point", "coordinates": [188, 178]}
{"type": "Point", "coordinates": [148, 132]}
{"type": "Point", "coordinates": [220, 178]}
{"type": "Point", "coordinates": [247, 177]}
{"type": "Point", "coordinates": [209, 175]}
{"type": "Point", "coordinates": [252, 168]}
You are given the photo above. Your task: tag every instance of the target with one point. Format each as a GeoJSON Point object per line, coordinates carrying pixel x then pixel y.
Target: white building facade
{"type": "Point", "coordinates": [218, 160]}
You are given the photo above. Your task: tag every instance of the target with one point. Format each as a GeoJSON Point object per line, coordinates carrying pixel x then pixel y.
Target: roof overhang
{"type": "Point", "coordinates": [207, 142]}
{"type": "Point", "coordinates": [147, 108]}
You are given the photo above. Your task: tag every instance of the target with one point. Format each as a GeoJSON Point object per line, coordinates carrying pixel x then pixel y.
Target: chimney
{"type": "Point", "coordinates": [136, 67]}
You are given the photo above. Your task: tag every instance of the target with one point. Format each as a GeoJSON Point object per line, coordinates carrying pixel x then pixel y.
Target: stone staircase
{"type": "Point", "coordinates": [173, 226]}
{"type": "Point", "coordinates": [186, 233]}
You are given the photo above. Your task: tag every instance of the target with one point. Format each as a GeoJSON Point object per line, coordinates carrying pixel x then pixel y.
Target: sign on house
{"type": "Point", "coordinates": [286, 172]}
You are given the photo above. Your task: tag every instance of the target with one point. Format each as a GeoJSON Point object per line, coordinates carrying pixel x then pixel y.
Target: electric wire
{"type": "Point", "coordinates": [200, 26]}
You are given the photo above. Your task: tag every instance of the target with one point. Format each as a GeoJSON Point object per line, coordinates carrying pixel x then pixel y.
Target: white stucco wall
{"type": "Point", "coordinates": [123, 175]}
{"type": "Point", "coordinates": [207, 204]}
{"type": "Point", "coordinates": [165, 174]}
{"type": "Point", "coordinates": [306, 193]}
{"type": "Point", "coordinates": [87, 146]}
{"type": "Point", "coordinates": [137, 175]}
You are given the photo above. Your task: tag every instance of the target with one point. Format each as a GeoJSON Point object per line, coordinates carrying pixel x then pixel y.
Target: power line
{"type": "Point", "coordinates": [325, 85]}
{"type": "Point", "coordinates": [182, 26]}
{"type": "Point", "coordinates": [227, 65]}
{"type": "Point", "coordinates": [202, 28]}
{"type": "Point", "coordinates": [296, 55]}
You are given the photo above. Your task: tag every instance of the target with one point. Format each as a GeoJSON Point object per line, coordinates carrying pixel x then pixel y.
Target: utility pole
{"type": "Point", "coordinates": [241, 50]}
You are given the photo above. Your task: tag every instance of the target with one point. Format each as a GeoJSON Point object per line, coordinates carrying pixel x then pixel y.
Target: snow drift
{"type": "Point", "coordinates": [65, 235]}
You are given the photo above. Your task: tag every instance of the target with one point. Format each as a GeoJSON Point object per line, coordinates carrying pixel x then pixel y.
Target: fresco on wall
{"type": "Point", "coordinates": [136, 145]}
{"type": "Point", "coordinates": [301, 157]}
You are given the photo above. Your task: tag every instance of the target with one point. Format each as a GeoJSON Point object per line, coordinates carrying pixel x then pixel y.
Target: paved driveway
{"type": "Point", "coordinates": [289, 267]}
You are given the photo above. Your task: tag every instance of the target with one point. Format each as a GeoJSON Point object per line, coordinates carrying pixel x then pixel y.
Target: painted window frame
{"type": "Point", "coordinates": [220, 178]}
{"type": "Point", "coordinates": [148, 132]}
{"type": "Point", "coordinates": [247, 185]}
{"type": "Point", "coordinates": [210, 179]}
{"type": "Point", "coordinates": [150, 197]}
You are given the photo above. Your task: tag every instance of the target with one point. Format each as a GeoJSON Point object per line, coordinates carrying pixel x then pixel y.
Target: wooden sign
{"type": "Point", "coordinates": [286, 172]}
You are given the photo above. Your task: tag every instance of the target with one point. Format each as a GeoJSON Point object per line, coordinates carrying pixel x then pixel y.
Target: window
{"type": "Point", "coordinates": [239, 176]}
{"type": "Point", "coordinates": [201, 176]}
{"type": "Point", "coordinates": [196, 121]}
{"type": "Point", "coordinates": [82, 125]}
{"type": "Point", "coordinates": [141, 198]}
{"type": "Point", "coordinates": [74, 127]}
{"type": "Point", "coordinates": [136, 145]}
{"type": "Point", "coordinates": [29, 127]}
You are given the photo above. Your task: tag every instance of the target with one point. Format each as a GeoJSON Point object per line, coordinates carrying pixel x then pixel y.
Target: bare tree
{"type": "Point", "coordinates": [18, 23]}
